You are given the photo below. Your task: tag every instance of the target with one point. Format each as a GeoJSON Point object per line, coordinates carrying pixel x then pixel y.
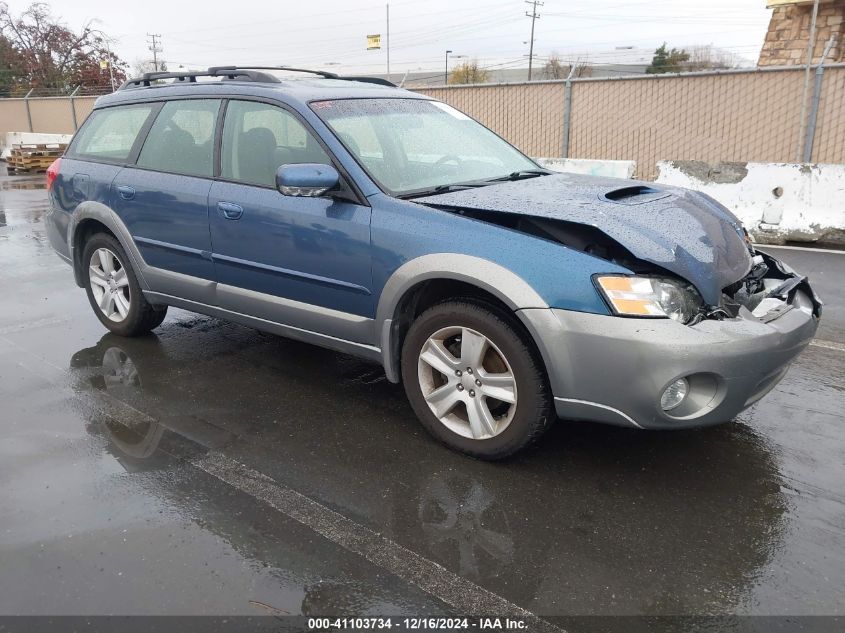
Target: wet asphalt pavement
{"type": "Point", "coordinates": [212, 469]}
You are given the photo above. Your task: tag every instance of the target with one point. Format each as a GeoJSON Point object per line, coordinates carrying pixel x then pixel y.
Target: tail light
{"type": "Point", "coordinates": [52, 172]}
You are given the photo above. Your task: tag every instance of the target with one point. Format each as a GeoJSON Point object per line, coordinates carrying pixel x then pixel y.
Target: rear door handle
{"type": "Point", "coordinates": [230, 211]}
{"type": "Point", "coordinates": [127, 193]}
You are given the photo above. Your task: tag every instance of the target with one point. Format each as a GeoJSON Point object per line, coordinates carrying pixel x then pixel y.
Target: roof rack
{"type": "Point", "coordinates": [379, 81]}
{"type": "Point", "coordinates": [243, 73]}
{"type": "Point", "coordinates": [322, 73]}
{"type": "Point", "coordinates": [147, 79]}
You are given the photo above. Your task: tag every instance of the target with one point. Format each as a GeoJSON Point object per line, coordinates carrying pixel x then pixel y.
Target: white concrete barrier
{"type": "Point", "coordinates": [608, 168]}
{"type": "Point", "coordinates": [35, 138]}
{"type": "Point", "coordinates": [777, 202]}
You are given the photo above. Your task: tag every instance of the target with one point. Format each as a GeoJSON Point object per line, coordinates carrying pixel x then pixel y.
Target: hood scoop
{"type": "Point", "coordinates": [636, 194]}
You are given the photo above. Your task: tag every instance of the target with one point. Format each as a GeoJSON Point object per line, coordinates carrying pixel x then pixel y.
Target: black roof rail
{"type": "Point", "coordinates": [322, 73]}
{"type": "Point", "coordinates": [147, 79]}
{"type": "Point", "coordinates": [244, 73]}
{"type": "Point", "coordinates": [379, 81]}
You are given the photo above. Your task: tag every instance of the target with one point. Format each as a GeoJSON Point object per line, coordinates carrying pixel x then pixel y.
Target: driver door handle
{"type": "Point", "coordinates": [230, 210]}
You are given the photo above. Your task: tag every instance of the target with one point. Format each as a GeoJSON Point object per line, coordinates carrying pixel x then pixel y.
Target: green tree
{"type": "Point", "coordinates": [9, 68]}
{"type": "Point", "coordinates": [668, 61]}
{"type": "Point", "coordinates": [50, 57]}
{"type": "Point", "coordinates": [469, 72]}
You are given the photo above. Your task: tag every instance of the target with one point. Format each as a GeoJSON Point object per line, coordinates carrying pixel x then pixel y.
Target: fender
{"type": "Point", "coordinates": [92, 210]}
{"type": "Point", "coordinates": [502, 283]}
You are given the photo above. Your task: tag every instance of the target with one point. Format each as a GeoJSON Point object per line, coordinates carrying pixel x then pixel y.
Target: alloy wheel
{"type": "Point", "coordinates": [467, 382]}
{"type": "Point", "coordinates": [109, 284]}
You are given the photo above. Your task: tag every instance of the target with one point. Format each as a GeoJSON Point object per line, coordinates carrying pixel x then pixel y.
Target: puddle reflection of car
{"type": "Point", "coordinates": [562, 528]}
{"type": "Point", "coordinates": [381, 223]}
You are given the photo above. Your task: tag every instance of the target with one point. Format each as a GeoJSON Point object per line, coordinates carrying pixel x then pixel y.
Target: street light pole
{"type": "Point", "coordinates": [111, 66]}
{"type": "Point", "coordinates": [446, 73]}
{"type": "Point", "coordinates": [108, 42]}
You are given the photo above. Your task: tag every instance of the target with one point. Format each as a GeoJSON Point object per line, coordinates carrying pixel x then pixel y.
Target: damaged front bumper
{"type": "Point", "coordinates": [614, 370]}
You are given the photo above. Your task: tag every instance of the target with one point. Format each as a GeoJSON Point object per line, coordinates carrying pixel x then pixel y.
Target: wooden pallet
{"type": "Point", "coordinates": [27, 170]}
{"type": "Point", "coordinates": [30, 164]}
{"type": "Point", "coordinates": [34, 158]}
{"type": "Point", "coordinates": [48, 149]}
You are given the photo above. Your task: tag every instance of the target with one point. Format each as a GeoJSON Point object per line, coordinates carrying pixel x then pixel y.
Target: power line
{"type": "Point", "coordinates": [534, 16]}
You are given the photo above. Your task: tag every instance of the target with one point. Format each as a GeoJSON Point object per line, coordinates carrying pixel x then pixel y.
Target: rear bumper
{"type": "Point", "coordinates": [614, 370]}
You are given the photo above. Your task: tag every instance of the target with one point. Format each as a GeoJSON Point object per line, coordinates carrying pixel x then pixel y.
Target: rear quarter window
{"type": "Point", "coordinates": [181, 141]}
{"type": "Point", "coordinates": [109, 134]}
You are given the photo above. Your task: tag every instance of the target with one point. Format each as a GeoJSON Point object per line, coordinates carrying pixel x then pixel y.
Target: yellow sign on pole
{"type": "Point", "coordinates": [104, 63]}
{"type": "Point", "coordinates": [373, 42]}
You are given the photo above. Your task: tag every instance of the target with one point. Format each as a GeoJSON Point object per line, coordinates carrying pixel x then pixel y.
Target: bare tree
{"type": "Point", "coordinates": [554, 68]}
{"type": "Point", "coordinates": [710, 58]}
{"type": "Point", "coordinates": [141, 66]}
{"type": "Point", "coordinates": [582, 69]}
{"type": "Point", "coordinates": [557, 69]}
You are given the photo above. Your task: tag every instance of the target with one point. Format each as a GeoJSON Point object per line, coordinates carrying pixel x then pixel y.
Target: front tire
{"type": "Point", "coordinates": [113, 290]}
{"type": "Point", "coordinates": [475, 380]}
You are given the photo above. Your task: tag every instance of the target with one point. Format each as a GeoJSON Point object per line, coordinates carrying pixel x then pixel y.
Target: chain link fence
{"type": "Point", "coordinates": [725, 116]}
{"type": "Point", "coordinates": [528, 115]}
{"type": "Point", "coordinates": [744, 116]}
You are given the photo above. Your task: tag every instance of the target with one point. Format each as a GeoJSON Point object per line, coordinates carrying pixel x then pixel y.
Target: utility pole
{"type": "Point", "coordinates": [155, 40]}
{"type": "Point", "coordinates": [534, 16]}
{"type": "Point", "coordinates": [446, 72]}
{"type": "Point", "coordinates": [388, 41]}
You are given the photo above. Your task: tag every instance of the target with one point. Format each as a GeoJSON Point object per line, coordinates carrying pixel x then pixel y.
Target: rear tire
{"type": "Point", "coordinates": [475, 380]}
{"type": "Point", "coordinates": [113, 290]}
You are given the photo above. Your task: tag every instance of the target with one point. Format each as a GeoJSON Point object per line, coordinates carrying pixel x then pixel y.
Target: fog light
{"type": "Point", "coordinates": [674, 394]}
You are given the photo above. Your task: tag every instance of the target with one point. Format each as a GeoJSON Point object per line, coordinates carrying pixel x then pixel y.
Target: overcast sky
{"type": "Point", "coordinates": [331, 34]}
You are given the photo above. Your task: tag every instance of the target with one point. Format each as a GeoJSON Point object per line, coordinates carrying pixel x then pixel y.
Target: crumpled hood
{"type": "Point", "coordinates": [685, 232]}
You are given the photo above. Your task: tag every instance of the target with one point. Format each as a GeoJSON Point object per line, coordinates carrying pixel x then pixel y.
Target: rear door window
{"type": "Point", "coordinates": [258, 138]}
{"type": "Point", "coordinates": [181, 141]}
{"type": "Point", "coordinates": [110, 133]}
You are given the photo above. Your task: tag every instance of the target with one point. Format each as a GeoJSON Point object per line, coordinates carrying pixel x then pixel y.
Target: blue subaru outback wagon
{"type": "Point", "coordinates": [355, 215]}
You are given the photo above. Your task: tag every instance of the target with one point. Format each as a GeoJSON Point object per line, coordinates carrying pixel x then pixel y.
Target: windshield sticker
{"type": "Point", "coordinates": [450, 110]}
{"type": "Point", "coordinates": [321, 105]}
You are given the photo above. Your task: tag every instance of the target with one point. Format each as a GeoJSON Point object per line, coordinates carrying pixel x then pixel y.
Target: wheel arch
{"type": "Point", "coordinates": [423, 281]}
{"type": "Point", "coordinates": [94, 217]}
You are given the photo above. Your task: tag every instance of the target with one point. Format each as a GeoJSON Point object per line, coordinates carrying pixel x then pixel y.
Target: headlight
{"type": "Point", "coordinates": [650, 297]}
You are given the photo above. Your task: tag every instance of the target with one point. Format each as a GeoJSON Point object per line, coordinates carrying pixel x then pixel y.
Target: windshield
{"type": "Point", "coordinates": [414, 146]}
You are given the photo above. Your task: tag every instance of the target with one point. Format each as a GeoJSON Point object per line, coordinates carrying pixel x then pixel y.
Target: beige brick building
{"type": "Point", "coordinates": [789, 31]}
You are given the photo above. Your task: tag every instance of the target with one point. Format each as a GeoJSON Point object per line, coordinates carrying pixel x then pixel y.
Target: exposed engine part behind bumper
{"type": "Point", "coordinates": [614, 370]}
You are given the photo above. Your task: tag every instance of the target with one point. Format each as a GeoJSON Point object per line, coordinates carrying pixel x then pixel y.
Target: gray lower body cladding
{"type": "Point", "coordinates": [614, 370]}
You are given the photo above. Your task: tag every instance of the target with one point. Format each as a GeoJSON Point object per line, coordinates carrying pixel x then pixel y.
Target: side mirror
{"type": "Point", "coordinates": [308, 180]}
